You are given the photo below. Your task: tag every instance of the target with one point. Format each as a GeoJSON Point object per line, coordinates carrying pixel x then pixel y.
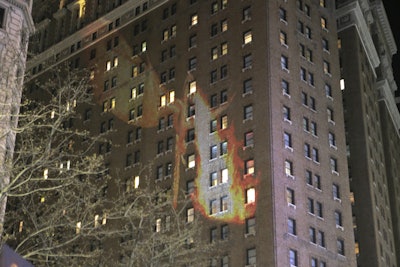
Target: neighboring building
{"type": "Point", "coordinates": [15, 27]}
{"type": "Point", "coordinates": [241, 102]}
{"type": "Point", "coordinates": [372, 127]}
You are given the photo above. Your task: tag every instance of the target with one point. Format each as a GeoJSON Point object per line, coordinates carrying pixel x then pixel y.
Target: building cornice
{"type": "Point", "coordinates": [385, 25]}
{"type": "Point", "coordinates": [26, 7]}
{"type": "Point", "coordinates": [351, 15]}
{"type": "Point", "coordinates": [386, 95]}
{"type": "Point", "coordinates": [126, 14]}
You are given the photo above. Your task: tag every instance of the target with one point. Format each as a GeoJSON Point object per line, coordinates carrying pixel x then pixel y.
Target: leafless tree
{"type": "Point", "coordinates": [59, 212]}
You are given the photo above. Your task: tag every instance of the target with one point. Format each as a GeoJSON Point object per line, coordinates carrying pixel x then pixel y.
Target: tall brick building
{"type": "Point", "coordinates": [239, 102]}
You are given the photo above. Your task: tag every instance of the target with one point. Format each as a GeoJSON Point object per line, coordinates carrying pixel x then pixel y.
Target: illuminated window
{"type": "Point", "coordinates": [190, 215]}
{"type": "Point", "coordinates": [249, 167]}
{"type": "Point", "coordinates": [163, 100]}
{"type": "Point", "coordinates": [96, 220]}
{"type": "Point", "coordinates": [165, 34]}
{"type": "Point", "coordinates": [327, 67]}
{"type": "Point", "coordinates": [171, 96]}
{"type": "Point", "coordinates": [46, 173]}
{"type": "Point", "coordinates": [342, 85]}
{"type": "Point", "coordinates": [108, 65]}
{"type": "Point", "coordinates": [224, 175]}
{"type": "Point", "coordinates": [224, 4]}
{"type": "Point", "coordinates": [144, 46]}
{"type": "Point", "coordinates": [173, 30]}
{"type": "Point", "coordinates": [323, 23]}
{"type": "Point", "coordinates": [136, 181]}
{"type": "Point", "coordinates": [135, 71]}
{"type": "Point", "coordinates": [322, 3]}
{"type": "Point", "coordinates": [224, 25]}
{"type": "Point", "coordinates": [213, 179]}
{"type": "Point", "coordinates": [191, 161]}
{"type": "Point", "coordinates": [224, 49]}
{"type": "Point", "coordinates": [214, 53]}
{"type": "Point", "coordinates": [105, 106]}
{"type": "Point", "coordinates": [247, 37]}
{"type": "Point", "coordinates": [193, 19]}
{"type": "Point", "coordinates": [224, 122]}
{"type": "Point", "coordinates": [158, 225]}
{"type": "Point", "coordinates": [288, 168]}
{"type": "Point", "coordinates": [224, 205]}
{"type": "Point", "coordinates": [112, 103]}
{"type": "Point", "coordinates": [250, 195]}
{"type": "Point", "coordinates": [78, 227]}
{"type": "Point", "coordinates": [214, 7]}
{"type": "Point", "coordinates": [115, 62]}
{"type": "Point", "coordinates": [283, 38]}
{"type": "Point", "coordinates": [192, 87]}
{"type": "Point", "coordinates": [133, 93]}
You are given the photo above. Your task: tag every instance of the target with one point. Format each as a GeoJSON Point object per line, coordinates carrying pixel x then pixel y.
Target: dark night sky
{"type": "Point", "coordinates": [392, 12]}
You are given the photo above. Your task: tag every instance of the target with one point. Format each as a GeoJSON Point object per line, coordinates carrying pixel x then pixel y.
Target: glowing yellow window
{"type": "Point", "coordinates": [171, 96]}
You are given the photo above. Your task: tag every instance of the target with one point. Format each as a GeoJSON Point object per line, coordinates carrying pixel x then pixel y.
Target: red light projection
{"type": "Point", "coordinates": [239, 189]}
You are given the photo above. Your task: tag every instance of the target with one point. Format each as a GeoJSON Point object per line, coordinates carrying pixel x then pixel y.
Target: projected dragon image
{"type": "Point", "coordinates": [232, 197]}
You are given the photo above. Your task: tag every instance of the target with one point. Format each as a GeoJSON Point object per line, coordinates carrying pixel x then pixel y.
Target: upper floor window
{"type": "Point", "coordinates": [2, 17]}
{"type": "Point", "coordinates": [247, 37]}
{"type": "Point", "coordinates": [283, 38]}
{"type": "Point", "coordinates": [324, 24]}
{"type": "Point", "coordinates": [246, 13]}
{"type": "Point", "coordinates": [282, 14]}
{"type": "Point", "coordinates": [194, 19]}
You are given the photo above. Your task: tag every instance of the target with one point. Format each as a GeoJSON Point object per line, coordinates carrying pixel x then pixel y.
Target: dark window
{"type": "Point", "coordinates": [2, 17]}
{"type": "Point", "coordinates": [247, 86]}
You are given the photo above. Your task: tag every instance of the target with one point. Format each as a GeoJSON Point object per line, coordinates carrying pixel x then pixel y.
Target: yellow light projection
{"type": "Point", "coordinates": [238, 186]}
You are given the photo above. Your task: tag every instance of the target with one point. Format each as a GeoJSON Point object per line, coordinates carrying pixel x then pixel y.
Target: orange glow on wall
{"type": "Point", "coordinates": [237, 184]}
